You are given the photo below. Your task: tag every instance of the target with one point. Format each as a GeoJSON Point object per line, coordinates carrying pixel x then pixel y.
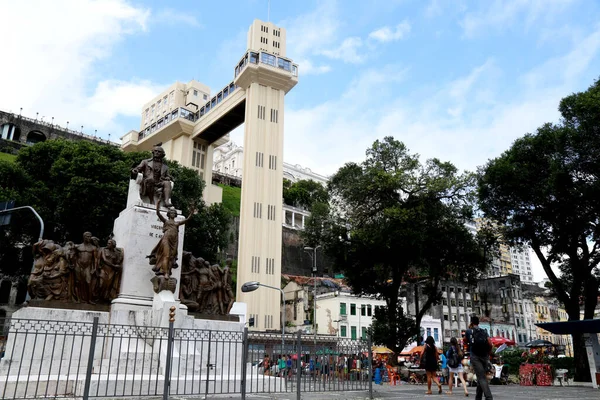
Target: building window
{"type": "Point", "coordinates": [270, 266]}
{"type": "Point", "coordinates": [453, 303]}
{"type": "Point", "coordinates": [272, 162]}
{"type": "Point", "coordinates": [428, 332]}
{"type": "Point", "coordinates": [261, 112]}
{"type": "Point", "coordinates": [259, 159]}
{"type": "Point", "coordinates": [352, 309]}
{"type": "Point", "coordinates": [342, 308]}
{"type": "Point", "coordinates": [343, 331]}
{"type": "Point", "coordinates": [274, 115]}
{"type": "Point", "coordinates": [257, 210]}
{"type": "Point", "coordinates": [364, 333]}
{"type": "Point", "coordinates": [444, 302]}
{"type": "Point", "coordinates": [369, 310]}
{"type": "Point", "coordinates": [271, 213]}
{"type": "Point", "coordinates": [445, 317]}
{"type": "Point", "coordinates": [363, 310]}
{"type": "Point", "coordinates": [353, 332]}
{"type": "Point", "coordinates": [195, 92]}
{"type": "Point", "coordinates": [461, 303]}
{"type": "Point", "coordinates": [469, 303]}
{"type": "Point", "coordinates": [255, 264]}
{"type": "Point", "coordinates": [436, 336]}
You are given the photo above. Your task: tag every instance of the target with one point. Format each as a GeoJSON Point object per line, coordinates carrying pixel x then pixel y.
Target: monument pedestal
{"type": "Point", "coordinates": [138, 230]}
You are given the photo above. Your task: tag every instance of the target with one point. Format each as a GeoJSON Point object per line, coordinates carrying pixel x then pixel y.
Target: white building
{"type": "Point", "coordinates": [521, 263]}
{"type": "Point", "coordinates": [429, 327]}
{"type": "Point", "coordinates": [345, 315]}
{"type": "Point", "coordinates": [229, 159]}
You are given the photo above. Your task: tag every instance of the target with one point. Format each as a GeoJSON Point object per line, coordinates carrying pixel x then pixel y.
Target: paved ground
{"type": "Point", "coordinates": [418, 392]}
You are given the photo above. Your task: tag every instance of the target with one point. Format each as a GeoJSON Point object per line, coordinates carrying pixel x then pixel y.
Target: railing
{"type": "Point", "coordinates": [253, 57]}
{"type": "Point", "coordinates": [187, 114]}
{"type": "Point", "coordinates": [57, 359]}
{"type": "Point", "coordinates": [63, 129]}
{"type": "Point", "coordinates": [167, 119]}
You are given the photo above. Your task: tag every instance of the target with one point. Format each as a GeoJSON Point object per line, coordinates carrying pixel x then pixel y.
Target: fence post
{"type": "Point", "coordinates": [167, 385]}
{"type": "Point", "coordinates": [370, 344]}
{"type": "Point", "coordinates": [244, 363]}
{"type": "Point", "coordinates": [90, 365]}
{"type": "Point", "coordinates": [298, 364]}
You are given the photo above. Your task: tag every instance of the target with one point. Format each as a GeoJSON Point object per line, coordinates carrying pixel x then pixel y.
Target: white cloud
{"type": "Point", "coordinates": [55, 70]}
{"type": "Point", "coordinates": [348, 51]}
{"type": "Point", "coordinates": [387, 34]}
{"type": "Point", "coordinates": [501, 14]}
{"type": "Point", "coordinates": [307, 67]}
{"type": "Point", "coordinates": [173, 17]}
{"type": "Point", "coordinates": [308, 35]}
{"type": "Point", "coordinates": [433, 9]}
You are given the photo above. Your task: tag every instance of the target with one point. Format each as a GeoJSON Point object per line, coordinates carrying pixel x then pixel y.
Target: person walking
{"type": "Point", "coordinates": [454, 357]}
{"type": "Point", "coordinates": [480, 347]}
{"type": "Point", "coordinates": [429, 360]}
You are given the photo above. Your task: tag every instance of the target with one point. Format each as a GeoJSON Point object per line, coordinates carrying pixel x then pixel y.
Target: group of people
{"type": "Point", "coordinates": [206, 288]}
{"type": "Point", "coordinates": [480, 347]}
{"type": "Point", "coordinates": [320, 366]}
{"type": "Point", "coordinates": [81, 273]}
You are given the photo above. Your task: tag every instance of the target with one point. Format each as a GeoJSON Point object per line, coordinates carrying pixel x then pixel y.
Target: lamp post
{"type": "Point", "coordinates": [338, 327]}
{"type": "Point", "coordinates": [314, 274]}
{"type": "Point", "coordinates": [251, 287]}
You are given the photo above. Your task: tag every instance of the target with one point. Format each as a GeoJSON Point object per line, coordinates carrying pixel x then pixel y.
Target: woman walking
{"type": "Point", "coordinates": [454, 356]}
{"type": "Point", "coordinates": [429, 360]}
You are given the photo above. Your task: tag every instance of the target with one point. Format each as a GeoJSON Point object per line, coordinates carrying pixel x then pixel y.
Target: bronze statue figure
{"type": "Point", "coordinates": [86, 259]}
{"type": "Point", "coordinates": [109, 270]}
{"type": "Point", "coordinates": [206, 288]}
{"type": "Point", "coordinates": [155, 180]}
{"type": "Point", "coordinates": [164, 254]}
{"type": "Point", "coordinates": [75, 273]}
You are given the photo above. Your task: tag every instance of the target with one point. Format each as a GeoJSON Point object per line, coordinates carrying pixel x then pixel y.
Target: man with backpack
{"type": "Point", "coordinates": [480, 347]}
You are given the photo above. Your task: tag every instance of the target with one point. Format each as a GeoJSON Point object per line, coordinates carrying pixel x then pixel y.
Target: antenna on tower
{"type": "Point", "coordinates": [268, 10]}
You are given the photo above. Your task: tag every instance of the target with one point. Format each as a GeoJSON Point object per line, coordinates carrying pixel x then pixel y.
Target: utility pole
{"type": "Point", "coordinates": [314, 275]}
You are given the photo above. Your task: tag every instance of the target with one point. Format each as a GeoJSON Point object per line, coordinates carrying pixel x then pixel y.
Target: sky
{"type": "Point", "coordinates": [453, 79]}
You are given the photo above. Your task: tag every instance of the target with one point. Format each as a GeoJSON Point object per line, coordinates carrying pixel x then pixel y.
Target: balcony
{"type": "Point", "coordinates": [179, 113]}
{"type": "Point", "coordinates": [252, 57]}
{"type": "Point", "coordinates": [266, 69]}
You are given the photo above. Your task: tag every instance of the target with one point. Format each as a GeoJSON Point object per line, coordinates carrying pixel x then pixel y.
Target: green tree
{"type": "Point", "coordinates": [82, 186]}
{"type": "Point", "coordinates": [544, 190]}
{"type": "Point", "coordinates": [392, 218]}
{"type": "Point", "coordinates": [304, 193]}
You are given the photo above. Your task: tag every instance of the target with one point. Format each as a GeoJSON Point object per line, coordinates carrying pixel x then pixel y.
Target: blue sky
{"type": "Point", "coordinates": [458, 80]}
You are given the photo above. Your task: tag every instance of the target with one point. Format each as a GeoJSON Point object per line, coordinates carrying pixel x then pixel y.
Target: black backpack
{"type": "Point", "coordinates": [453, 360]}
{"type": "Point", "coordinates": [479, 342]}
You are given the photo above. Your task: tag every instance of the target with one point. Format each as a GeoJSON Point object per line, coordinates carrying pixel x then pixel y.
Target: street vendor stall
{"type": "Point", "coordinates": [590, 329]}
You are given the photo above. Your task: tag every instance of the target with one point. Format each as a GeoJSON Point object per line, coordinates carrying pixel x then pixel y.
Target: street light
{"type": "Point", "coordinates": [313, 256]}
{"type": "Point", "coordinates": [251, 287]}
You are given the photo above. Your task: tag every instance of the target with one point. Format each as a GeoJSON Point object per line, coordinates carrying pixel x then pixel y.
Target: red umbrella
{"type": "Point", "coordinates": [498, 341]}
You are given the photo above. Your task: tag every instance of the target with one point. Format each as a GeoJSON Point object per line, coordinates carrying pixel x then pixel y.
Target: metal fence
{"type": "Point", "coordinates": [59, 359]}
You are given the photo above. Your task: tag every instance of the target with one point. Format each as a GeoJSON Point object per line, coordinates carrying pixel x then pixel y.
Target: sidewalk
{"type": "Point", "coordinates": [418, 392]}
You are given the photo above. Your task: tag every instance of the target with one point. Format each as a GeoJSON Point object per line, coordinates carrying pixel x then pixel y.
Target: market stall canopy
{"type": "Point", "coordinates": [381, 350]}
{"type": "Point", "coordinates": [498, 341]}
{"type": "Point", "coordinates": [569, 327]}
{"type": "Point", "coordinates": [417, 350]}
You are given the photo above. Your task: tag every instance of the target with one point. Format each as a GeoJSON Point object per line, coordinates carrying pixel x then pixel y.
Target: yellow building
{"type": "Point", "coordinates": [190, 123]}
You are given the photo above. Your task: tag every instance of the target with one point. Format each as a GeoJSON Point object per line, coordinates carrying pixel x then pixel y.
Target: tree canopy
{"type": "Point", "coordinates": [303, 193]}
{"type": "Point", "coordinates": [393, 219]}
{"type": "Point", "coordinates": [82, 186]}
{"type": "Point", "coordinates": [544, 191]}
